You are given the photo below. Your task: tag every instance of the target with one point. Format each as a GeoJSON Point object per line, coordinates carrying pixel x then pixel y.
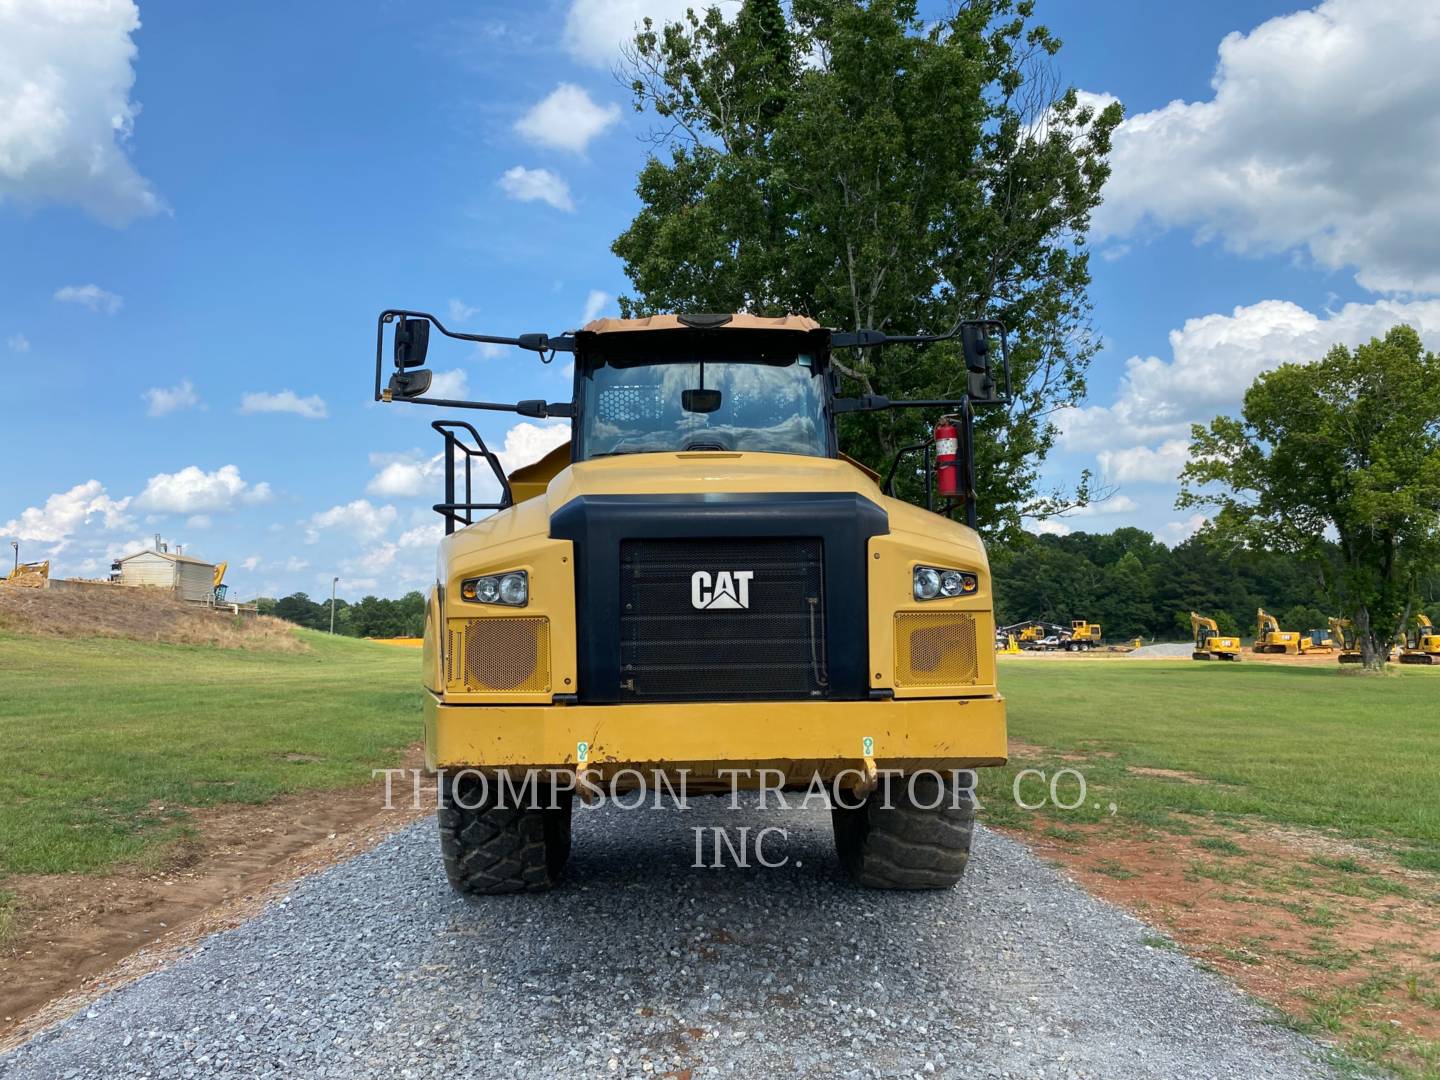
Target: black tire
{"type": "Point", "coordinates": [905, 845]}
{"type": "Point", "coordinates": [495, 849]}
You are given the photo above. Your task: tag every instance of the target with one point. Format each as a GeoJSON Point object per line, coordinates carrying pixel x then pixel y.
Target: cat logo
{"type": "Point", "coordinates": [725, 589]}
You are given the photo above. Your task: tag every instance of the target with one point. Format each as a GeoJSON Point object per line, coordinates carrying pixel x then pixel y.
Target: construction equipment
{"type": "Point", "coordinates": [1269, 638]}
{"type": "Point", "coordinates": [1006, 643]}
{"type": "Point", "coordinates": [1343, 632]}
{"type": "Point", "coordinates": [1421, 644]}
{"type": "Point", "coordinates": [1210, 644]}
{"type": "Point", "coordinates": [1316, 641]}
{"type": "Point", "coordinates": [28, 575]}
{"type": "Point", "coordinates": [1083, 637]}
{"type": "Point", "coordinates": [218, 585]}
{"type": "Point", "coordinates": [700, 591]}
{"type": "Point", "coordinates": [1035, 636]}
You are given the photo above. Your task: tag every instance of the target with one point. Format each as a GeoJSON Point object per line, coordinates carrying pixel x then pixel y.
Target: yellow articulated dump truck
{"type": "Point", "coordinates": [701, 589]}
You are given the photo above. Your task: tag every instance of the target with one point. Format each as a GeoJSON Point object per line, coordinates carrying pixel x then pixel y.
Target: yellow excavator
{"type": "Point", "coordinates": [30, 575]}
{"type": "Point", "coordinates": [1422, 643]}
{"type": "Point", "coordinates": [1210, 644]}
{"type": "Point", "coordinates": [1269, 638]}
{"type": "Point", "coordinates": [1084, 636]}
{"type": "Point", "coordinates": [219, 583]}
{"type": "Point", "coordinates": [1342, 632]}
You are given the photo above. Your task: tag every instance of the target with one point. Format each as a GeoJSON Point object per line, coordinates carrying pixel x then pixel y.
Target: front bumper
{"type": "Point", "coordinates": [802, 738]}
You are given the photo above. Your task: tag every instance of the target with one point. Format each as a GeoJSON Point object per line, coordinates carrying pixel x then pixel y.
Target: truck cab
{"type": "Point", "coordinates": [701, 589]}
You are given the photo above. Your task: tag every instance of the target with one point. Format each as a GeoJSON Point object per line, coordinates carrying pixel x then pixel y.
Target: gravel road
{"type": "Point", "coordinates": [643, 966]}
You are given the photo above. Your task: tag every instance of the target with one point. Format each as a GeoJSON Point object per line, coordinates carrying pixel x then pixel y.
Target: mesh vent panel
{"type": "Point", "coordinates": [494, 654]}
{"type": "Point", "coordinates": [935, 648]}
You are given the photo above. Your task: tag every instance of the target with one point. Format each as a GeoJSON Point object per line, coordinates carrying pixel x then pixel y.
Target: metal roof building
{"type": "Point", "coordinates": [187, 577]}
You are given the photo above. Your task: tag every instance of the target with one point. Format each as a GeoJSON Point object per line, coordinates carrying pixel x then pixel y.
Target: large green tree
{"type": "Point", "coordinates": [1347, 447]}
{"type": "Point", "coordinates": [861, 165]}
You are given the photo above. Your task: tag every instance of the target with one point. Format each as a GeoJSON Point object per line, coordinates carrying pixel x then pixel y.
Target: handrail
{"type": "Point", "coordinates": [463, 513]}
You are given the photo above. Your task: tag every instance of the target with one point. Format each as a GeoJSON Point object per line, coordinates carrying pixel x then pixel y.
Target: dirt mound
{"type": "Point", "coordinates": [139, 614]}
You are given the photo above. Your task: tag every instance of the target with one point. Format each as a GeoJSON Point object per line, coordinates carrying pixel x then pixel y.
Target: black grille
{"type": "Point", "coordinates": [774, 648]}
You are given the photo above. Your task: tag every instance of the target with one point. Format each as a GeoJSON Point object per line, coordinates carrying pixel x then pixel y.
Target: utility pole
{"type": "Point", "coordinates": [333, 582]}
{"type": "Point", "coordinates": [16, 545]}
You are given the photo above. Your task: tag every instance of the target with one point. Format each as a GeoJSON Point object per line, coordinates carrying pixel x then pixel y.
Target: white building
{"type": "Point", "coordinates": [188, 578]}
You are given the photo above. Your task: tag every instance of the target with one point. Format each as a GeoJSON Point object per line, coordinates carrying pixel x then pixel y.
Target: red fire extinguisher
{"type": "Point", "coordinates": [947, 457]}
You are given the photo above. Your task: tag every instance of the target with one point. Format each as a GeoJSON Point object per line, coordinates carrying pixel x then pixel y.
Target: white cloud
{"type": "Point", "coordinates": [1115, 504]}
{"type": "Point", "coordinates": [596, 29]}
{"type": "Point", "coordinates": [527, 443]}
{"type": "Point", "coordinates": [161, 400]}
{"type": "Point", "coordinates": [286, 401]}
{"type": "Point", "coordinates": [295, 564]}
{"type": "Point", "coordinates": [90, 296]}
{"type": "Point", "coordinates": [594, 304]}
{"type": "Point", "coordinates": [408, 476]}
{"type": "Point", "coordinates": [458, 311]}
{"type": "Point", "coordinates": [427, 535]}
{"type": "Point", "coordinates": [192, 490]}
{"type": "Point", "coordinates": [17, 343]}
{"type": "Point", "coordinates": [1174, 532]}
{"type": "Point", "coordinates": [198, 521]}
{"type": "Point", "coordinates": [405, 476]}
{"type": "Point", "coordinates": [449, 384]}
{"type": "Point", "coordinates": [1048, 527]}
{"type": "Point", "coordinates": [250, 562]}
{"type": "Point", "coordinates": [1215, 358]}
{"type": "Point", "coordinates": [531, 185]}
{"type": "Point", "coordinates": [377, 558]}
{"type": "Point", "coordinates": [359, 518]}
{"type": "Point", "coordinates": [66, 71]}
{"type": "Point", "coordinates": [66, 512]}
{"type": "Point", "coordinates": [1161, 464]}
{"type": "Point", "coordinates": [567, 119]}
{"type": "Point", "coordinates": [1322, 136]}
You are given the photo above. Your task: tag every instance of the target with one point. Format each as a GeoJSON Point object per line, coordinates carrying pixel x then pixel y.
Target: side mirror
{"type": "Point", "coordinates": [976, 343]}
{"type": "Point", "coordinates": [700, 401]}
{"type": "Point", "coordinates": [978, 346]}
{"type": "Point", "coordinates": [412, 341]}
{"type": "Point", "coordinates": [410, 384]}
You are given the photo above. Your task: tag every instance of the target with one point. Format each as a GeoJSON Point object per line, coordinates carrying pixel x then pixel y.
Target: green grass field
{"type": "Point", "coordinates": [100, 734]}
{"type": "Point", "coordinates": [1321, 747]}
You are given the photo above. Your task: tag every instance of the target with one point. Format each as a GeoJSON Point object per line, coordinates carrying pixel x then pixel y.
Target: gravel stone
{"type": "Point", "coordinates": [641, 966]}
{"type": "Point", "coordinates": [1181, 651]}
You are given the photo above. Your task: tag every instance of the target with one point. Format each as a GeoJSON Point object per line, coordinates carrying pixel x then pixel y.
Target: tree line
{"type": "Point", "coordinates": [373, 616]}
{"type": "Point", "coordinates": [1135, 586]}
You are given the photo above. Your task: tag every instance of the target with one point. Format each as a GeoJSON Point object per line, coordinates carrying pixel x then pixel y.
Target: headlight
{"type": "Point", "coordinates": [932, 582]}
{"type": "Point", "coordinates": [927, 583]}
{"type": "Point", "coordinates": [512, 590]}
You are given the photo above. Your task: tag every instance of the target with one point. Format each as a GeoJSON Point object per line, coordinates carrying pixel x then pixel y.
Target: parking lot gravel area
{"type": "Point", "coordinates": [642, 965]}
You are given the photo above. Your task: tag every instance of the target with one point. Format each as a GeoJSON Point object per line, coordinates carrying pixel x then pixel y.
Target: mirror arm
{"type": "Point", "coordinates": [879, 402]}
{"type": "Point", "coordinates": [541, 343]}
{"type": "Point", "coordinates": [536, 408]}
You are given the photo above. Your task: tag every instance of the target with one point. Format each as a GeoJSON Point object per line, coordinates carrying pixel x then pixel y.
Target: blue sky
{"type": "Point", "coordinates": [194, 259]}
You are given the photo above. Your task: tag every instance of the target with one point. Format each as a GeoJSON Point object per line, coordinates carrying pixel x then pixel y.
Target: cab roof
{"type": "Point", "coordinates": [741, 321]}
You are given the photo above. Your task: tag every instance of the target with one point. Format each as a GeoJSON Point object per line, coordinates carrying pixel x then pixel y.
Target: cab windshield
{"type": "Point", "coordinates": [723, 401]}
